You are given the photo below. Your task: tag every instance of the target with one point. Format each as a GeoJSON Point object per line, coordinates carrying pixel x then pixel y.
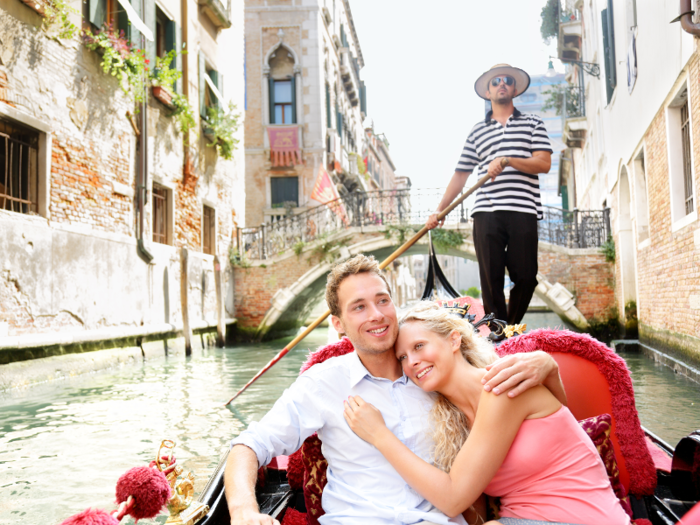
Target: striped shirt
{"type": "Point", "coordinates": [512, 190]}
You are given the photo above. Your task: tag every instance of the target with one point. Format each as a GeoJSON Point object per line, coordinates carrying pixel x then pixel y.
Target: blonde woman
{"type": "Point", "coordinates": [528, 450]}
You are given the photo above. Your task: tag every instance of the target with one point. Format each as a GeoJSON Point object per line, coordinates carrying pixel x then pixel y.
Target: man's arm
{"type": "Point", "coordinates": [520, 372]}
{"type": "Point", "coordinates": [240, 477]}
{"type": "Point", "coordinates": [457, 182]}
{"type": "Point", "coordinates": [540, 162]}
{"type": "Point", "coordinates": [294, 417]}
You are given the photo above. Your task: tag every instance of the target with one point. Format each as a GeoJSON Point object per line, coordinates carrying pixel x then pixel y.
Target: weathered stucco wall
{"type": "Point", "coordinates": [75, 265]}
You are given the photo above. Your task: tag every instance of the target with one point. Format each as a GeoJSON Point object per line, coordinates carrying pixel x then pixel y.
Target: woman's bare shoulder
{"type": "Point", "coordinates": [533, 403]}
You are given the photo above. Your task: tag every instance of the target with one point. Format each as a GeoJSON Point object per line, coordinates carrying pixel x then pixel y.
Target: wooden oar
{"type": "Point", "coordinates": [399, 251]}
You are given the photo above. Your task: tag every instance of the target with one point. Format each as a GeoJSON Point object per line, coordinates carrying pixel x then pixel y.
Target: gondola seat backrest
{"type": "Point", "coordinates": [597, 381]}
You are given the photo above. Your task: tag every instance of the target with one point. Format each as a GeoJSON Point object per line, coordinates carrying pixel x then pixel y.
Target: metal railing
{"type": "Point", "coordinates": [573, 229]}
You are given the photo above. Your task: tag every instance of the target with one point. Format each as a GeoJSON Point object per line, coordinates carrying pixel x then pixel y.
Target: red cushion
{"type": "Point", "coordinates": [598, 429]}
{"type": "Point", "coordinates": [294, 517]}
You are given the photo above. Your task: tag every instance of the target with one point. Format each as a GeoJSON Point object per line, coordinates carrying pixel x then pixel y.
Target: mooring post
{"type": "Point", "coordinates": [184, 295]}
{"type": "Point", "coordinates": [219, 282]}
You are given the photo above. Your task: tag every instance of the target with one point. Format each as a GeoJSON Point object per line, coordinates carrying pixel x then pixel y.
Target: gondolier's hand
{"type": "Point", "coordinates": [432, 221]}
{"type": "Point", "coordinates": [252, 518]}
{"type": "Point", "coordinates": [495, 168]}
{"type": "Point", "coordinates": [364, 419]}
{"type": "Point", "coordinates": [518, 372]}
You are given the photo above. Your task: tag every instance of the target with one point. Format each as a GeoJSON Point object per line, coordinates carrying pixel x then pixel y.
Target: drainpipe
{"type": "Point", "coordinates": [686, 19]}
{"type": "Point", "coordinates": [142, 186]}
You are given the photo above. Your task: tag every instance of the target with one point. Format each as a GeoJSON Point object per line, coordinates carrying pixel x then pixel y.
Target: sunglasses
{"type": "Point", "coordinates": [508, 81]}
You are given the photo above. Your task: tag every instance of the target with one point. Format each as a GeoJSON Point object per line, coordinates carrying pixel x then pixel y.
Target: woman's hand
{"type": "Point", "coordinates": [364, 420]}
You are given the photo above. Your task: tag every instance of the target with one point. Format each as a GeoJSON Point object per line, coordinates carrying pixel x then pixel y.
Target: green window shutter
{"type": "Point", "coordinates": [607, 46]}
{"type": "Point", "coordinates": [363, 97]}
{"type": "Point", "coordinates": [272, 99]}
{"type": "Point", "coordinates": [133, 33]}
{"type": "Point", "coordinates": [149, 18]}
{"type": "Point", "coordinates": [214, 76]}
{"type": "Point", "coordinates": [284, 189]}
{"type": "Point", "coordinates": [202, 86]}
{"type": "Point", "coordinates": [294, 99]}
{"type": "Point", "coordinates": [173, 41]}
{"type": "Point", "coordinates": [220, 85]}
{"type": "Point", "coordinates": [328, 105]}
{"type": "Point", "coordinates": [611, 36]}
{"type": "Point", "coordinates": [564, 198]}
{"type": "Point", "coordinates": [97, 10]}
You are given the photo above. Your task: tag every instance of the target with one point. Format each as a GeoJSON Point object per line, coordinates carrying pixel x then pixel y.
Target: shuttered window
{"type": "Point", "coordinates": [609, 50]}
{"type": "Point", "coordinates": [687, 160]}
{"type": "Point", "coordinates": [209, 230]}
{"type": "Point", "coordinates": [211, 86]}
{"type": "Point", "coordinates": [284, 189]}
{"type": "Point", "coordinates": [161, 213]}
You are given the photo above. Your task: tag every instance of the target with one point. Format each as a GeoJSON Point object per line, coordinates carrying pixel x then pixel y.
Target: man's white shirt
{"type": "Point", "coordinates": [362, 485]}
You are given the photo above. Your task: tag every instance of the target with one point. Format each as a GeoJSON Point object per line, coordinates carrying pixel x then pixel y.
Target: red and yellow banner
{"type": "Point", "coordinates": [325, 192]}
{"type": "Point", "coordinates": [284, 145]}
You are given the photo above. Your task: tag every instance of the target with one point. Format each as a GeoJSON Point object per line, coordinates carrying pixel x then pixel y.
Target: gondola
{"type": "Point", "coordinates": [663, 481]}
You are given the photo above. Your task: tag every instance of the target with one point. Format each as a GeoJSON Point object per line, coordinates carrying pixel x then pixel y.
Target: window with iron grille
{"type": "Point", "coordinates": [19, 168]}
{"type": "Point", "coordinates": [209, 230]}
{"type": "Point", "coordinates": [687, 161]}
{"type": "Point", "coordinates": [161, 203]}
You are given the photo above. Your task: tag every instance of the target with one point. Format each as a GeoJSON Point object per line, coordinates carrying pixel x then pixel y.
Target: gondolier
{"type": "Point", "coordinates": [513, 148]}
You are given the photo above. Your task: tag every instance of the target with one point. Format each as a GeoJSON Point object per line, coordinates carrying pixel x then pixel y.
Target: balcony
{"type": "Point", "coordinates": [218, 11]}
{"type": "Point", "coordinates": [350, 75]}
{"type": "Point", "coordinates": [569, 42]}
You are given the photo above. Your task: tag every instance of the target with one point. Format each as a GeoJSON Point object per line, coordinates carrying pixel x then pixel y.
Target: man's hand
{"type": "Point", "coordinates": [495, 168]}
{"type": "Point", "coordinates": [239, 481]}
{"type": "Point", "coordinates": [432, 221]}
{"type": "Point", "coordinates": [252, 518]}
{"type": "Point", "coordinates": [516, 373]}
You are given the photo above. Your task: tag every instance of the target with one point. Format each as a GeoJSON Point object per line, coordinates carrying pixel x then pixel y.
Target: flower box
{"type": "Point", "coordinates": [163, 95]}
{"type": "Point", "coordinates": [37, 5]}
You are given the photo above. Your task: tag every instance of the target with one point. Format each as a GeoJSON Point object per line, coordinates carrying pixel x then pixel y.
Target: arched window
{"type": "Point", "coordinates": [282, 87]}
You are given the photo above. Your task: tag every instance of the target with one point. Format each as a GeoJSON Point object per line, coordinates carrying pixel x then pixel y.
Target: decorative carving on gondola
{"type": "Point", "coordinates": [181, 505]}
{"type": "Point", "coordinates": [514, 329]}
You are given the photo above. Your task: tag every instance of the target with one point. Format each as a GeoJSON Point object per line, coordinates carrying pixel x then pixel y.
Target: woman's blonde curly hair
{"type": "Point", "coordinates": [451, 426]}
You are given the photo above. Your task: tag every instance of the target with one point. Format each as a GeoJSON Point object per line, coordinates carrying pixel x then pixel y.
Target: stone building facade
{"type": "Point", "coordinates": [633, 138]}
{"type": "Point", "coordinates": [83, 248]}
{"type": "Point", "coordinates": [304, 95]}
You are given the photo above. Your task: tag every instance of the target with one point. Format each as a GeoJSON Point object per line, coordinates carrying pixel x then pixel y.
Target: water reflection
{"type": "Point", "coordinates": [65, 444]}
{"type": "Point", "coordinates": [668, 403]}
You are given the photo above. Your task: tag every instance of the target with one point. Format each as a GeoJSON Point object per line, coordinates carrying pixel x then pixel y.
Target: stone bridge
{"type": "Point", "coordinates": [275, 290]}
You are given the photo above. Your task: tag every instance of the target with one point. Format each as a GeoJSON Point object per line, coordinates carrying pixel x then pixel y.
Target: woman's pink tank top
{"type": "Point", "coordinates": [553, 473]}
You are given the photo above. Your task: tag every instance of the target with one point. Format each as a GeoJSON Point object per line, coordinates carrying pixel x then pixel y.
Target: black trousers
{"type": "Point", "coordinates": [506, 240]}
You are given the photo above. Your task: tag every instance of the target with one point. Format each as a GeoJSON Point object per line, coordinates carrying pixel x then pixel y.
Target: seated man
{"type": "Point", "coordinates": [362, 487]}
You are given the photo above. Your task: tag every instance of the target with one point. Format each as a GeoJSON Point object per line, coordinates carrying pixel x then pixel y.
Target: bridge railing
{"type": "Point", "coordinates": [574, 229]}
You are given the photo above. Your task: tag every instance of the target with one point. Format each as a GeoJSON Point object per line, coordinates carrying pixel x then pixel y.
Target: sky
{"type": "Point", "coordinates": [421, 62]}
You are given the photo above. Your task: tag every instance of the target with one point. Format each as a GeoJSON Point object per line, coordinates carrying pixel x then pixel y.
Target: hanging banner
{"type": "Point", "coordinates": [284, 145]}
{"type": "Point", "coordinates": [325, 192]}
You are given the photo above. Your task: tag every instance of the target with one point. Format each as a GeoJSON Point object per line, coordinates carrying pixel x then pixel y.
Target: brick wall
{"type": "Point", "coordinates": [668, 279]}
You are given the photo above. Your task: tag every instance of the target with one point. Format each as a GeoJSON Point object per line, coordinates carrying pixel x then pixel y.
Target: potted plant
{"type": "Point", "coordinates": [119, 59]}
{"type": "Point", "coordinates": [220, 127]}
{"type": "Point", "coordinates": [164, 77]}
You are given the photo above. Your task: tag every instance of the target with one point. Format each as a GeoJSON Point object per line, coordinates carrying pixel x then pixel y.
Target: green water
{"type": "Point", "coordinates": [64, 445]}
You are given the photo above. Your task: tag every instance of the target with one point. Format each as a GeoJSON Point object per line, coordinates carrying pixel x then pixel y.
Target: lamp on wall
{"type": "Point", "coordinates": [551, 73]}
{"type": "Point", "coordinates": [591, 68]}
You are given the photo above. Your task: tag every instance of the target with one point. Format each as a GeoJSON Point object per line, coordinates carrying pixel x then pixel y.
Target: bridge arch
{"type": "Point", "coordinates": [291, 305]}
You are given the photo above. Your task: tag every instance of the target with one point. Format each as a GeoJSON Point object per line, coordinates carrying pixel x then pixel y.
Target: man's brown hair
{"type": "Point", "coordinates": [358, 264]}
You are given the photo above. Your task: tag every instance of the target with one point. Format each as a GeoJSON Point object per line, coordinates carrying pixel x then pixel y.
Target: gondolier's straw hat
{"type": "Point", "coordinates": [522, 79]}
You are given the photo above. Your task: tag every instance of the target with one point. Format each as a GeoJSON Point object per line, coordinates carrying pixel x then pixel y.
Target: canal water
{"type": "Point", "coordinates": [64, 445]}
